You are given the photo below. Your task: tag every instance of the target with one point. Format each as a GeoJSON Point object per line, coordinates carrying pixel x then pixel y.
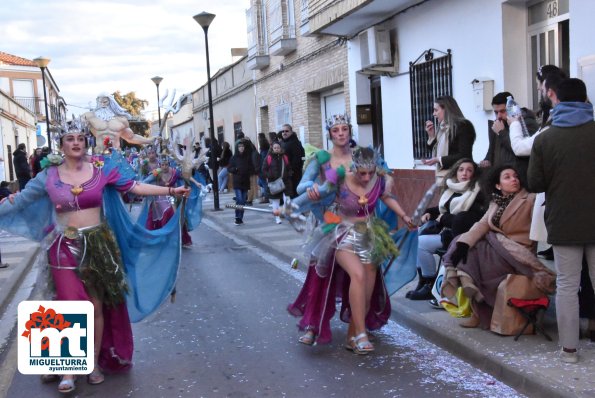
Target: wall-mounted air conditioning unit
{"type": "Point", "coordinates": [377, 52]}
{"type": "Point", "coordinates": [375, 47]}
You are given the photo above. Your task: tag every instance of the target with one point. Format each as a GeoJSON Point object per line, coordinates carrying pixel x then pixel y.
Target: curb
{"type": "Point", "coordinates": [13, 282]}
{"type": "Point", "coordinates": [526, 383]}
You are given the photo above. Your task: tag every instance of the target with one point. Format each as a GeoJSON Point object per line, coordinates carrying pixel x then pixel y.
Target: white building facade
{"type": "Point", "coordinates": [491, 46]}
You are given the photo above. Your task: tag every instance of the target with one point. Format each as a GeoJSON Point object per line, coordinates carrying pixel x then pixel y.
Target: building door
{"type": "Point", "coordinates": [332, 104]}
{"type": "Point", "coordinates": [548, 38]}
{"type": "Point", "coordinates": [376, 95]}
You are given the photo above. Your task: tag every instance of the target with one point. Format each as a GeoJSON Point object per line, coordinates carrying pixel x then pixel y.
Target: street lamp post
{"type": "Point", "coordinates": [204, 19]}
{"type": "Point", "coordinates": [42, 63]}
{"type": "Point", "coordinates": [157, 80]}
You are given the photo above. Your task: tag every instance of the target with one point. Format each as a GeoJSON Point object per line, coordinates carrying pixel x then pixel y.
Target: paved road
{"type": "Point", "coordinates": [228, 335]}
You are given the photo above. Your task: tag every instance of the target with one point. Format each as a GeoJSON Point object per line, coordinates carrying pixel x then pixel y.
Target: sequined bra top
{"type": "Point", "coordinates": [352, 205]}
{"type": "Point", "coordinates": [88, 195]}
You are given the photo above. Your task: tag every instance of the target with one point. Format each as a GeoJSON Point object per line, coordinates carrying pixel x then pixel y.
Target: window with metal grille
{"type": "Point", "coordinates": [220, 134]}
{"type": "Point", "coordinates": [237, 128]}
{"type": "Point", "coordinates": [429, 78]}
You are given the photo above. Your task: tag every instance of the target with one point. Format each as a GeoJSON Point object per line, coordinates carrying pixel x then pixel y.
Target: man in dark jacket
{"type": "Point", "coordinates": [500, 150]}
{"type": "Point", "coordinates": [21, 165]}
{"type": "Point", "coordinates": [295, 152]}
{"type": "Point", "coordinates": [561, 165]}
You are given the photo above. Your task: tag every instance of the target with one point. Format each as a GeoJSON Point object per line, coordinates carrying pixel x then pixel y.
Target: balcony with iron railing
{"type": "Point", "coordinates": [37, 107]}
{"type": "Point", "coordinates": [34, 104]}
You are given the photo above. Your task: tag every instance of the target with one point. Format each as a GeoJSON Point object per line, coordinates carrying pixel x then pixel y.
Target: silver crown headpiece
{"type": "Point", "coordinates": [76, 126]}
{"type": "Point", "coordinates": [362, 160]}
{"type": "Point", "coordinates": [342, 118]}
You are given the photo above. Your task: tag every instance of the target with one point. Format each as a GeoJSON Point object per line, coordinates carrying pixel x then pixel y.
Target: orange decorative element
{"type": "Point", "coordinates": [76, 190]}
{"type": "Point", "coordinates": [331, 218]}
{"type": "Point", "coordinates": [43, 319]}
{"type": "Point", "coordinates": [362, 201]}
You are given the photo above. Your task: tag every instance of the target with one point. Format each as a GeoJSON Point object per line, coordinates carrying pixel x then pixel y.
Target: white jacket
{"type": "Point", "coordinates": [521, 146]}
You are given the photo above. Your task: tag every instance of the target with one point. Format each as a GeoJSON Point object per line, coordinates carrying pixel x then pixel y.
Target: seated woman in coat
{"type": "Point", "coordinates": [461, 205]}
{"type": "Point", "coordinates": [496, 245]}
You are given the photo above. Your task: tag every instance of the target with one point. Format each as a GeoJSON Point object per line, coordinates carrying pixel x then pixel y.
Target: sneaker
{"type": "Point", "coordinates": [238, 222]}
{"type": "Point", "coordinates": [278, 220]}
{"type": "Point", "coordinates": [3, 265]}
{"type": "Point", "coordinates": [249, 203]}
{"type": "Point", "coordinates": [569, 357]}
{"type": "Point", "coordinates": [435, 304]}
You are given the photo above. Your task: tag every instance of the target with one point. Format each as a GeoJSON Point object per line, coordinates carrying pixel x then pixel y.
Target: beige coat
{"type": "Point", "coordinates": [515, 222]}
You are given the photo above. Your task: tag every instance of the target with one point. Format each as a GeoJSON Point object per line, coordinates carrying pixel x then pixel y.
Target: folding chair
{"type": "Point", "coordinates": [532, 311]}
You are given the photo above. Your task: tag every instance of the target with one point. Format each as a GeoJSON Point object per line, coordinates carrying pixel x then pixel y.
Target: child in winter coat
{"type": "Point", "coordinates": [276, 165]}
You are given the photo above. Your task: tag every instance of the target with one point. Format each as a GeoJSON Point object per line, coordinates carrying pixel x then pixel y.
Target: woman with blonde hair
{"type": "Point", "coordinates": [454, 138]}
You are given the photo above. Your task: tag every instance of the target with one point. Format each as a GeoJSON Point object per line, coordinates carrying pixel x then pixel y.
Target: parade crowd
{"type": "Point", "coordinates": [535, 184]}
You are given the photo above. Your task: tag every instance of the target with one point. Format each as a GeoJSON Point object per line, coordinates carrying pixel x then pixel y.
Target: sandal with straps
{"type": "Point", "coordinates": [67, 385]}
{"type": "Point", "coordinates": [95, 377]}
{"type": "Point", "coordinates": [360, 344]}
{"type": "Point", "coordinates": [49, 378]}
{"type": "Point", "coordinates": [307, 338]}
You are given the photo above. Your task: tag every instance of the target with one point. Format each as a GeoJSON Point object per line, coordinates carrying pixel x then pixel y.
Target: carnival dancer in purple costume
{"type": "Point", "coordinates": [161, 208]}
{"type": "Point", "coordinates": [84, 258]}
{"type": "Point", "coordinates": [347, 249]}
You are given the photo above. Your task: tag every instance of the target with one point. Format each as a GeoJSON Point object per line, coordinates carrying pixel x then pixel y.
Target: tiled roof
{"type": "Point", "coordinates": [10, 59]}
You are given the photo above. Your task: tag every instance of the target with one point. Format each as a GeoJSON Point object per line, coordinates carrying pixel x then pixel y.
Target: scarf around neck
{"type": "Point", "coordinates": [502, 202]}
{"type": "Point", "coordinates": [460, 203]}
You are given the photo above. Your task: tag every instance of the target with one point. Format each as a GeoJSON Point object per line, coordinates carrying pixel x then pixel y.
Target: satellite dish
{"type": "Point", "coordinates": [40, 141]}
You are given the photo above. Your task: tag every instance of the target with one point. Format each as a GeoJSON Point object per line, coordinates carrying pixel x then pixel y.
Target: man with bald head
{"type": "Point", "coordinates": [110, 120]}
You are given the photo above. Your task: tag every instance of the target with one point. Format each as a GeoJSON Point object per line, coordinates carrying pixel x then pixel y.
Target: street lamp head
{"type": "Point", "coordinates": [204, 19]}
{"type": "Point", "coordinates": [42, 62]}
{"type": "Point", "coordinates": [157, 80]}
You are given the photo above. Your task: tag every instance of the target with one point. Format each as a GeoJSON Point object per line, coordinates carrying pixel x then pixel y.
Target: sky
{"type": "Point", "coordinates": [104, 46]}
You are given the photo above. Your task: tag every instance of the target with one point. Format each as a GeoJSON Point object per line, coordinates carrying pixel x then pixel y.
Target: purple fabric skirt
{"type": "Point", "coordinates": [315, 303]}
{"type": "Point", "coordinates": [116, 343]}
{"type": "Point", "coordinates": [152, 224]}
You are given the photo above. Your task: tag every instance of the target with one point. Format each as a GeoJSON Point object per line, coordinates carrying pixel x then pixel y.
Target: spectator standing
{"type": "Point", "coordinates": [562, 165]}
{"type": "Point", "coordinates": [241, 166]}
{"type": "Point", "coordinates": [500, 150]}
{"type": "Point", "coordinates": [34, 162]}
{"type": "Point", "coordinates": [255, 157]}
{"type": "Point", "coordinates": [276, 165]}
{"type": "Point", "coordinates": [213, 153]}
{"type": "Point", "coordinates": [21, 165]}
{"type": "Point", "coordinates": [521, 146]}
{"type": "Point", "coordinates": [295, 153]}
{"type": "Point", "coordinates": [263, 146]}
{"type": "Point", "coordinates": [454, 139]}
{"type": "Point", "coordinates": [223, 163]}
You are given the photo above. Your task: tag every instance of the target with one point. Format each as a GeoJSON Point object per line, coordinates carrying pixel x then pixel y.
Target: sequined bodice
{"type": "Point", "coordinates": [352, 205]}
{"type": "Point", "coordinates": [88, 195]}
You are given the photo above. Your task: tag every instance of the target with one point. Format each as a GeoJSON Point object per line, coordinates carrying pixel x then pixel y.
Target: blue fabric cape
{"type": "Point", "coordinates": [151, 258]}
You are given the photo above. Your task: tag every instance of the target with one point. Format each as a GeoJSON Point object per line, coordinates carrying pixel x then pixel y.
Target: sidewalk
{"type": "Point", "coordinates": [530, 364]}
{"type": "Point", "coordinates": [20, 254]}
